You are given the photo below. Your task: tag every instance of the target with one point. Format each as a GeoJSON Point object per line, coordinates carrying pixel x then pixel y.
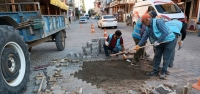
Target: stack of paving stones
{"type": "Point", "coordinates": [101, 43]}
{"type": "Point", "coordinates": [93, 48]}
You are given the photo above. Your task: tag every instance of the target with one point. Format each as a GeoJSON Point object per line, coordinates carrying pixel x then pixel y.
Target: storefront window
{"type": "Point", "coordinates": [195, 8]}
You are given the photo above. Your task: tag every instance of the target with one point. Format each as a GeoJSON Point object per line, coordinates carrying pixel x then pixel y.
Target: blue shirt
{"type": "Point", "coordinates": [162, 28]}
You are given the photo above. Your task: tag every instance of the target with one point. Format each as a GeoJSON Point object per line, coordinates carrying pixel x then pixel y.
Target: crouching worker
{"type": "Point", "coordinates": [114, 43]}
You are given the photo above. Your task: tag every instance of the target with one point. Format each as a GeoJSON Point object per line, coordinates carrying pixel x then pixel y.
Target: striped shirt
{"type": "Point", "coordinates": [150, 34]}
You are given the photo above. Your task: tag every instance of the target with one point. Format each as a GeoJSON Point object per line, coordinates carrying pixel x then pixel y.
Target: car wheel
{"type": "Point", "coordinates": [101, 26]}
{"type": "Point", "coordinates": [127, 23]}
{"type": "Point", "coordinates": [98, 25]}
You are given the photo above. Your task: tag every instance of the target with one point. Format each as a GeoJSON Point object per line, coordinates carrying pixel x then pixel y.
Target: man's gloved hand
{"type": "Point", "coordinates": [180, 42]}
{"type": "Point", "coordinates": [106, 43]}
{"type": "Point", "coordinates": [156, 43]}
{"type": "Point", "coordinates": [136, 47]}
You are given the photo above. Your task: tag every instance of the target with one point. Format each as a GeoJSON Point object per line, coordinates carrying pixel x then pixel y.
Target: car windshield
{"type": "Point", "coordinates": [82, 17]}
{"type": "Point", "coordinates": [108, 17]}
{"type": "Point", "coordinates": [167, 8]}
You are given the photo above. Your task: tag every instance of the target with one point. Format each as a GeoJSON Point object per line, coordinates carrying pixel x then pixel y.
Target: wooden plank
{"type": "Point", "coordinates": [13, 6]}
{"type": "Point", "coordinates": [56, 10]}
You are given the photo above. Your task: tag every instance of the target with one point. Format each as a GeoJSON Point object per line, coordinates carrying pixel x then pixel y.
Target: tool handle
{"type": "Point", "coordinates": [118, 53]}
{"type": "Point", "coordinates": [153, 44]}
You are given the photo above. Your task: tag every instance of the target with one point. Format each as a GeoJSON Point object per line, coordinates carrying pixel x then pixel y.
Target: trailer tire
{"type": "Point", "coordinates": [60, 41]}
{"type": "Point", "coordinates": [14, 61]}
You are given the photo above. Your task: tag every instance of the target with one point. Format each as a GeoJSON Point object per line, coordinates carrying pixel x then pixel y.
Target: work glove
{"type": "Point", "coordinates": [106, 43]}
{"type": "Point", "coordinates": [180, 42]}
{"type": "Point", "coordinates": [156, 43]}
{"type": "Point", "coordinates": [124, 57]}
{"type": "Point", "coordinates": [136, 47]}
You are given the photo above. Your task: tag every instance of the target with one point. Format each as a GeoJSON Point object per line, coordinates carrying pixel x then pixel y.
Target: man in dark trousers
{"type": "Point", "coordinates": [114, 43]}
{"type": "Point", "coordinates": [182, 33]}
{"type": "Point", "coordinates": [137, 34]}
{"type": "Point", "coordinates": [162, 38]}
{"type": "Point", "coordinates": [69, 19]}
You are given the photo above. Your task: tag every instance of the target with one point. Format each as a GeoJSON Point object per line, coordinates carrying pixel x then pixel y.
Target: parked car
{"type": "Point", "coordinates": [87, 16]}
{"type": "Point", "coordinates": [96, 17]}
{"type": "Point", "coordinates": [165, 8]}
{"type": "Point", "coordinates": [107, 21]}
{"type": "Point", "coordinates": [83, 19]}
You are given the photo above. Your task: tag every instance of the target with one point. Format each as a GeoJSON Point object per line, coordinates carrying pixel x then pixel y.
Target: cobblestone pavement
{"type": "Point", "coordinates": [187, 66]}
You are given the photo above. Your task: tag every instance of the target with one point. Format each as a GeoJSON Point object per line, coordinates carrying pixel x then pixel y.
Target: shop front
{"type": "Point", "coordinates": [191, 10]}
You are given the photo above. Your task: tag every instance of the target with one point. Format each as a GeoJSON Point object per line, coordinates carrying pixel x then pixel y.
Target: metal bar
{"type": "Point", "coordinates": [19, 7]}
{"type": "Point", "coordinates": [24, 3]}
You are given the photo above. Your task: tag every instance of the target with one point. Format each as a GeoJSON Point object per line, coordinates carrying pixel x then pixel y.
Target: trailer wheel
{"type": "Point", "coordinates": [60, 41]}
{"type": "Point", "coordinates": [14, 62]}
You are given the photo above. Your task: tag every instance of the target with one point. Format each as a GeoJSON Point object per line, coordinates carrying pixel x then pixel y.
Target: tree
{"type": "Point", "coordinates": [77, 13]}
{"type": "Point", "coordinates": [91, 12]}
{"type": "Point", "coordinates": [83, 7]}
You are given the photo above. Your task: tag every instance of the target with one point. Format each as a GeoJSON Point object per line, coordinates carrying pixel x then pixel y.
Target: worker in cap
{"type": "Point", "coordinates": [163, 40]}
{"type": "Point", "coordinates": [138, 31]}
{"type": "Point", "coordinates": [153, 14]}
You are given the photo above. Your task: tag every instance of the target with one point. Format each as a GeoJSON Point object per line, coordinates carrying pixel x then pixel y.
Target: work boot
{"type": "Point", "coordinates": [152, 73]}
{"type": "Point", "coordinates": [167, 73]}
{"type": "Point", "coordinates": [162, 76]}
{"type": "Point", "coordinates": [136, 63]}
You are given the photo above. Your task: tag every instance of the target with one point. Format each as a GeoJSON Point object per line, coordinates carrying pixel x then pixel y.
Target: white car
{"type": "Point", "coordinates": [83, 19]}
{"type": "Point", "coordinates": [107, 21]}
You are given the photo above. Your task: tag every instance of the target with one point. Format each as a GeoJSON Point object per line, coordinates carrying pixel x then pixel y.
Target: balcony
{"type": "Point", "coordinates": [70, 2]}
{"type": "Point", "coordinates": [122, 1]}
{"type": "Point", "coordinates": [131, 1]}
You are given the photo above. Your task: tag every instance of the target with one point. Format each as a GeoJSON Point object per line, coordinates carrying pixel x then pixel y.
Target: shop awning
{"type": "Point", "coordinates": [59, 4]}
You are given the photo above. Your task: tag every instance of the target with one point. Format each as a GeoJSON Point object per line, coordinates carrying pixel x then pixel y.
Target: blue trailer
{"type": "Point", "coordinates": [22, 26]}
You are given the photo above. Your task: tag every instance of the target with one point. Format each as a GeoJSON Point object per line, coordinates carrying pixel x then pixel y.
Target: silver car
{"type": "Point", "coordinates": [83, 19]}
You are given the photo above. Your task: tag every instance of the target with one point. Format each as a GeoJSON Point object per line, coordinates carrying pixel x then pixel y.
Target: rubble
{"type": "Point", "coordinates": [187, 88]}
{"type": "Point", "coordinates": [171, 85]}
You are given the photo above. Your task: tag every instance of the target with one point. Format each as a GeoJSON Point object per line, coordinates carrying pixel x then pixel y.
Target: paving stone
{"type": "Point", "coordinates": [37, 82]}
{"type": "Point", "coordinates": [58, 69]}
{"type": "Point", "coordinates": [196, 78]}
{"type": "Point", "coordinates": [94, 40]}
{"type": "Point", "coordinates": [163, 90]}
{"type": "Point", "coordinates": [44, 85]}
{"type": "Point", "coordinates": [184, 74]}
{"type": "Point", "coordinates": [171, 85]}
{"type": "Point", "coordinates": [189, 78]}
{"type": "Point", "coordinates": [64, 64]}
{"type": "Point", "coordinates": [36, 89]}
{"type": "Point", "coordinates": [76, 55]}
{"type": "Point", "coordinates": [52, 79]}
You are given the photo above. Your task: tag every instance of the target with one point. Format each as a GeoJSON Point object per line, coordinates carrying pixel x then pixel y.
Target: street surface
{"type": "Point", "coordinates": [186, 65]}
